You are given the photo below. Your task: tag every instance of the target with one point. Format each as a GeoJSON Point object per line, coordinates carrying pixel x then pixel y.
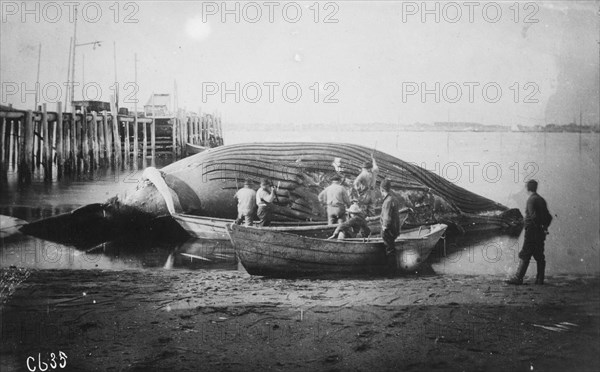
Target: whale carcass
{"type": "Point", "coordinates": [204, 185]}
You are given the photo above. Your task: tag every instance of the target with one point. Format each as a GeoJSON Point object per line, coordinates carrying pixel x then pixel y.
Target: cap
{"type": "Point", "coordinates": [336, 177]}
{"type": "Point", "coordinates": [386, 184]}
{"type": "Point", "coordinates": [367, 164]}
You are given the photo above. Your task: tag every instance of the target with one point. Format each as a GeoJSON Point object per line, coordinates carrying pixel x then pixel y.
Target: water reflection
{"type": "Point", "coordinates": [193, 254]}
{"type": "Point", "coordinates": [476, 254]}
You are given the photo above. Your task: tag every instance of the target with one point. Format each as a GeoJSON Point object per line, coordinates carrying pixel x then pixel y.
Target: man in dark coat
{"type": "Point", "coordinates": [390, 217]}
{"type": "Point", "coordinates": [537, 221]}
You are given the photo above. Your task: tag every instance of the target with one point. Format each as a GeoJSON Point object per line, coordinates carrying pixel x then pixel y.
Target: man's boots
{"type": "Point", "coordinates": [541, 267]}
{"type": "Point", "coordinates": [521, 270]}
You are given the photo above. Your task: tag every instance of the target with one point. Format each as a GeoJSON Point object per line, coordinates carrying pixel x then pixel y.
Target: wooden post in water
{"type": "Point", "coordinates": [25, 148]}
{"type": "Point", "coordinates": [75, 142]}
{"type": "Point", "coordinates": [85, 148]}
{"type": "Point", "coordinates": [101, 140]}
{"type": "Point", "coordinates": [7, 142]}
{"type": "Point", "coordinates": [17, 134]}
{"type": "Point", "coordinates": [37, 142]}
{"type": "Point", "coordinates": [173, 122]}
{"type": "Point", "coordinates": [192, 122]}
{"type": "Point", "coordinates": [145, 143]}
{"type": "Point", "coordinates": [3, 142]}
{"type": "Point", "coordinates": [115, 132]}
{"type": "Point", "coordinates": [107, 138]}
{"type": "Point", "coordinates": [136, 141]}
{"type": "Point", "coordinates": [67, 145]}
{"type": "Point", "coordinates": [12, 154]}
{"type": "Point", "coordinates": [47, 145]}
{"type": "Point", "coordinates": [153, 131]}
{"type": "Point", "coordinates": [127, 148]}
{"type": "Point", "coordinates": [60, 159]}
{"type": "Point", "coordinates": [12, 141]}
{"type": "Point", "coordinates": [183, 133]}
{"type": "Point", "coordinates": [190, 126]}
{"type": "Point", "coordinates": [153, 139]}
{"type": "Point", "coordinates": [199, 128]}
{"type": "Point", "coordinates": [95, 140]}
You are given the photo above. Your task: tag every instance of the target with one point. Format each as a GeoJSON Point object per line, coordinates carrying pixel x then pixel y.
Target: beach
{"type": "Point", "coordinates": [137, 320]}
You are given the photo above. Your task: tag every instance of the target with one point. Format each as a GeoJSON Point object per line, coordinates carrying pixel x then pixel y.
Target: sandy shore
{"type": "Point", "coordinates": [227, 320]}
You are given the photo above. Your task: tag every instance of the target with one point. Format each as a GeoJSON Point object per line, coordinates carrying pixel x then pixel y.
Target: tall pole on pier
{"type": "Point", "coordinates": [37, 82]}
{"type": "Point", "coordinates": [68, 75]}
{"type": "Point", "coordinates": [83, 69]}
{"type": "Point", "coordinates": [73, 61]}
{"type": "Point", "coordinates": [116, 80]}
{"type": "Point", "coordinates": [135, 115]}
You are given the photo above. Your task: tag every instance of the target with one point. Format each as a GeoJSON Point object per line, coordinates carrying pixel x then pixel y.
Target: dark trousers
{"type": "Point", "coordinates": [335, 214]}
{"type": "Point", "coordinates": [533, 246]}
{"type": "Point", "coordinates": [246, 218]}
{"type": "Point", "coordinates": [264, 216]}
{"type": "Point", "coordinates": [389, 237]}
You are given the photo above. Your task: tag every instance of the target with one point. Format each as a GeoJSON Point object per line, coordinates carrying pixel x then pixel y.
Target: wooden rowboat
{"type": "Point", "coordinates": [276, 253]}
{"type": "Point", "coordinates": [192, 149]}
{"type": "Point", "coordinates": [216, 228]}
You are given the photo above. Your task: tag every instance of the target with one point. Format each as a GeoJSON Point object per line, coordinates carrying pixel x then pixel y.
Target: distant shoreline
{"type": "Point", "coordinates": [368, 128]}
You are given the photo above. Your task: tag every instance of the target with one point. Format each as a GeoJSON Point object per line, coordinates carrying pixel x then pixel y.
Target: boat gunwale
{"type": "Point", "coordinates": [433, 229]}
{"type": "Point", "coordinates": [293, 226]}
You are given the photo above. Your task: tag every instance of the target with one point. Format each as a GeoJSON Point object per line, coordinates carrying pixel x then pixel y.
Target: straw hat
{"type": "Point", "coordinates": [355, 209]}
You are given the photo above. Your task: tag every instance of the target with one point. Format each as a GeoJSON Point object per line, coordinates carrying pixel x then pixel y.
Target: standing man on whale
{"type": "Point", "coordinates": [364, 186]}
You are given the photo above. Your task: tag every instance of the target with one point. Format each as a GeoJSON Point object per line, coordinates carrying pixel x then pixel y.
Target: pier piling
{"type": "Point", "coordinates": [82, 142]}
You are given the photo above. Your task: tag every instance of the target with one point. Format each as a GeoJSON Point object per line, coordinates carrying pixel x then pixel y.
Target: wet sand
{"type": "Point", "coordinates": [227, 320]}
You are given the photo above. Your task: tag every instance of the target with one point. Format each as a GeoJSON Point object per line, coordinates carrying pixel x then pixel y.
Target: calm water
{"type": "Point", "coordinates": [494, 165]}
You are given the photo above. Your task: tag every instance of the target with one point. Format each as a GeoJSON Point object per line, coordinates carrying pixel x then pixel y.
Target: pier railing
{"type": "Point", "coordinates": [61, 143]}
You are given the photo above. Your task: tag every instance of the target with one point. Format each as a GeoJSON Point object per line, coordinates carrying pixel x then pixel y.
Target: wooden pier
{"type": "Point", "coordinates": [82, 143]}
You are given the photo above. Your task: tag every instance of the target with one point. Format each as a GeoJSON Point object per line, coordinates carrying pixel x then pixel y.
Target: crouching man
{"type": "Point", "coordinates": [355, 227]}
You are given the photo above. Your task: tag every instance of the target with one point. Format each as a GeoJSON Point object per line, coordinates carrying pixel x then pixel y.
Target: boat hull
{"type": "Point", "coordinates": [274, 253]}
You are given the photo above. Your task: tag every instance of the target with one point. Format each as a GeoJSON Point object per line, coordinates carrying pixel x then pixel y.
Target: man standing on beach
{"type": "Point", "coordinates": [336, 199]}
{"type": "Point", "coordinates": [537, 221]}
{"type": "Point", "coordinates": [264, 198]}
{"type": "Point", "coordinates": [246, 197]}
{"type": "Point", "coordinates": [364, 184]}
{"type": "Point", "coordinates": [390, 217]}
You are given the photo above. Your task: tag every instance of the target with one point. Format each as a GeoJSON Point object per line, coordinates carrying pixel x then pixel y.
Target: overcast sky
{"type": "Point", "coordinates": [376, 56]}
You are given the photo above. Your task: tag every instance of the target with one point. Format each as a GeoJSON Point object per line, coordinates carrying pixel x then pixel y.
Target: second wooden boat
{"type": "Point", "coordinates": [277, 253]}
{"type": "Point", "coordinates": [192, 149]}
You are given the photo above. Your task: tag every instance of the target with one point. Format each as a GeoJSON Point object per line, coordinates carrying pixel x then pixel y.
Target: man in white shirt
{"type": "Point", "coordinates": [264, 198]}
{"type": "Point", "coordinates": [335, 197]}
{"type": "Point", "coordinates": [246, 197]}
{"type": "Point", "coordinates": [364, 184]}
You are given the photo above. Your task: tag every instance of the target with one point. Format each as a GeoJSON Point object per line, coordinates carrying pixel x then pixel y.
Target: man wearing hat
{"type": "Point", "coordinates": [264, 198]}
{"type": "Point", "coordinates": [355, 225]}
{"type": "Point", "coordinates": [246, 198]}
{"type": "Point", "coordinates": [364, 184]}
{"type": "Point", "coordinates": [390, 217]}
{"type": "Point", "coordinates": [336, 199]}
